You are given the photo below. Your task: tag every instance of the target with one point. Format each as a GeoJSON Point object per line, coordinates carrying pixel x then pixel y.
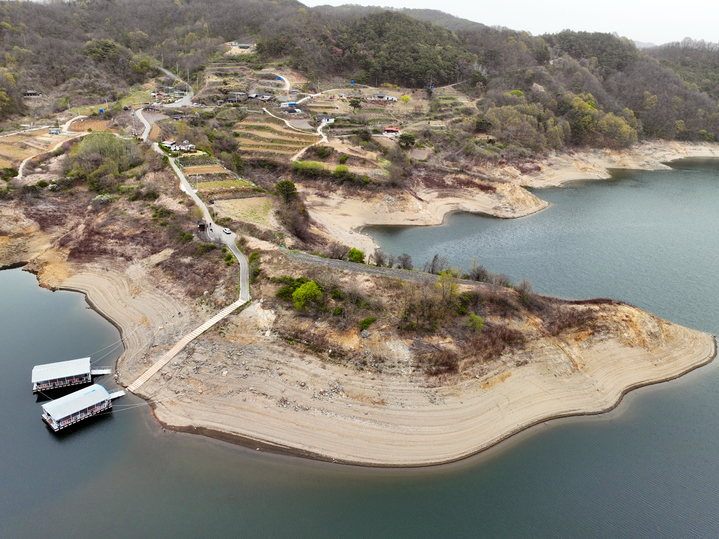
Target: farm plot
{"type": "Point", "coordinates": [255, 210]}
{"type": "Point", "coordinates": [87, 125]}
{"type": "Point", "coordinates": [225, 189]}
{"type": "Point", "coordinates": [205, 169]}
{"type": "Point", "coordinates": [14, 153]}
{"type": "Point", "coordinates": [268, 135]}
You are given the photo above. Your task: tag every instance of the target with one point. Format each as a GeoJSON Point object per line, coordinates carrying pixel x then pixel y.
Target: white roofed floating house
{"type": "Point", "coordinates": [77, 406]}
{"type": "Point", "coordinates": [64, 373]}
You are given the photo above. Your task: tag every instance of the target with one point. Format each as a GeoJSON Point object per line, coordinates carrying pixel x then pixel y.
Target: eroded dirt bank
{"type": "Point", "coordinates": [432, 194]}
{"type": "Point", "coordinates": [558, 168]}
{"type": "Point", "coordinates": [262, 390]}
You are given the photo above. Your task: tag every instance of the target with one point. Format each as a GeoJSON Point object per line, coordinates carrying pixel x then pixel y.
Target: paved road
{"type": "Point", "coordinates": [215, 234]}
{"type": "Point", "coordinates": [185, 101]}
{"type": "Point", "coordinates": [394, 273]}
{"type": "Point", "coordinates": [147, 125]}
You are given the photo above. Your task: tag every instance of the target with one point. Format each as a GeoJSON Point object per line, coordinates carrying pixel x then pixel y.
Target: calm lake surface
{"type": "Point", "coordinates": [648, 469]}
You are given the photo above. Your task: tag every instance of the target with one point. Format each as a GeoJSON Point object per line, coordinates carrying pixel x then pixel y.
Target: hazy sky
{"type": "Point", "coordinates": [655, 21]}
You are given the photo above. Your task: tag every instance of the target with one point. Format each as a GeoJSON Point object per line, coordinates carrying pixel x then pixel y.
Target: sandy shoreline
{"type": "Point", "coordinates": [277, 447]}
{"type": "Point", "coordinates": [411, 425]}
{"type": "Point", "coordinates": [558, 169]}
{"type": "Point", "coordinates": [343, 218]}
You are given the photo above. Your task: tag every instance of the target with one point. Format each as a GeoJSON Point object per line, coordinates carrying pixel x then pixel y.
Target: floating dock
{"type": "Point", "coordinates": [77, 406]}
{"type": "Point", "coordinates": [64, 374]}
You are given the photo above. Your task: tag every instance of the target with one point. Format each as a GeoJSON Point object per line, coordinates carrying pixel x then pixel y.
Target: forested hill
{"type": "Point", "coordinates": [551, 91]}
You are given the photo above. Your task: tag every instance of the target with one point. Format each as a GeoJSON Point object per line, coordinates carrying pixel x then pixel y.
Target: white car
{"type": "Point", "coordinates": [227, 231]}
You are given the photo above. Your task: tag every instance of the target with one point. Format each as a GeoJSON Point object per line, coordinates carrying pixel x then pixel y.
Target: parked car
{"type": "Point", "coordinates": [227, 231]}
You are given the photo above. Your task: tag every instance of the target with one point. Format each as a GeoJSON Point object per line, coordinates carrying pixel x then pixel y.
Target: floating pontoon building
{"type": "Point", "coordinates": [63, 374]}
{"type": "Point", "coordinates": [77, 406]}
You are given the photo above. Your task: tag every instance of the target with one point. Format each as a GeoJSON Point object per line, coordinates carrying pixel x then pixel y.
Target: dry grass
{"type": "Point", "coordinates": [13, 152]}
{"type": "Point", "coordinates": [206, 169]}
{"type": "Point", "coordinates": [254, 210]}
{"type": "Point", "coordinates": [85, 125]}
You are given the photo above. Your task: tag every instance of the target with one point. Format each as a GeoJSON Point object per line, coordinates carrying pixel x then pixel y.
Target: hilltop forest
{"type": "Point", "coordinates": [535, 92]}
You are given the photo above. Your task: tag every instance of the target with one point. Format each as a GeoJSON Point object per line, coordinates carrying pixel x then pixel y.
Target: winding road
{"type": "Point", "coordinates": [214, 234]}
{"type": "Point", "coordinates": [185, 101]}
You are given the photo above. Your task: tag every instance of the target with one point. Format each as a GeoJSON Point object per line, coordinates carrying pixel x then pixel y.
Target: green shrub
{"type": "Point", "coordinates": [343, 159]}
{"type": "Point", "coordinates": [307, 293]}
{"type": "Point", "coordinates": [206, 248]}
{"type": "Point", "coordinates": [476, 323]}
{"type": "Point", "coordinates": [308, 168]}
{"type": "Point", "coordinates": [291, 285]}
{"type": "Point", "coordinates": [355, 255]}
{"type": "Point", "coordinates": [366, 323]}
{"type": "Point", "coordinates": [337, 294]}
{"type": "Point", "coordinates": [337, 312]}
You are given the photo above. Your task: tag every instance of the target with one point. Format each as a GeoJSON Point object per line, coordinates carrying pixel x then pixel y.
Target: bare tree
{"type": "Point", "coordinates": [404, 261]}
{"type": "Point", "coordinates": [437, 265]}
{"type": "Point", "coordinates": [338, 251]}
{"type": "Point", "coordinates": [391, 260]}
{"type": "Point", "coordinates": [380, 259]}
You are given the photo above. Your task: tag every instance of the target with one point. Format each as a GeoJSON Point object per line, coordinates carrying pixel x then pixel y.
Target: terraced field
{"type": "Point", "coordinates": [205, 169]}
{"type": "Point", "coordinates": [225, 189]}
{"type": "Point", "coordinates": [267, 135]}
{"type": "Point", "coordinates": [85, 125]}
{"type": "Point", "coordinates": [16, 148]}
{"type": "Point", "coordinates": [12, 152]}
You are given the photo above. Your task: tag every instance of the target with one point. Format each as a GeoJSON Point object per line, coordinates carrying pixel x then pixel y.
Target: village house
{"type": "Point", "coordinates": [175, 146]}
{"type": "Point", "coordinates": [383, 97]}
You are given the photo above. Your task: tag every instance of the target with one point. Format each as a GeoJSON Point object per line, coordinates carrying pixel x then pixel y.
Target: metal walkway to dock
{"type": "Point", "coordinates": [117, 394]}
{"type": "Point", "coordinates": [165, 359]}
{"type": "Point", "coordinates": [101, 371]}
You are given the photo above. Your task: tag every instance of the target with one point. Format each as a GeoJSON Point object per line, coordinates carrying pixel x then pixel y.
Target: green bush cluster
{"type": "Point", "coordinates": [366, 323]}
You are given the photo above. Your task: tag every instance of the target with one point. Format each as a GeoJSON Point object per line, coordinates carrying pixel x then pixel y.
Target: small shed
{"type": "Point", "coordinates": [55, 131]}
{"type": "Point", "coordinates": [76, 406]}
{"type": "Point", "coordinates": [61, 374]}
{"type": "Point", "coordinates": [201, 225]}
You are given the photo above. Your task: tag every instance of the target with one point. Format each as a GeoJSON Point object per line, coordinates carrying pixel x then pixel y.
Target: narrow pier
{"type": "Point", "coordinates": [165, 359]}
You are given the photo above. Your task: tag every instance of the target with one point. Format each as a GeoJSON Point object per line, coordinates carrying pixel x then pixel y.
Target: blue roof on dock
{"type": "Point", "coordinates": [74, 402]}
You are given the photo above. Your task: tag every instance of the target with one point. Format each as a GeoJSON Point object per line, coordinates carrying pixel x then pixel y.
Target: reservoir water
{"type": "Point", "coordinates": [648, 469]}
